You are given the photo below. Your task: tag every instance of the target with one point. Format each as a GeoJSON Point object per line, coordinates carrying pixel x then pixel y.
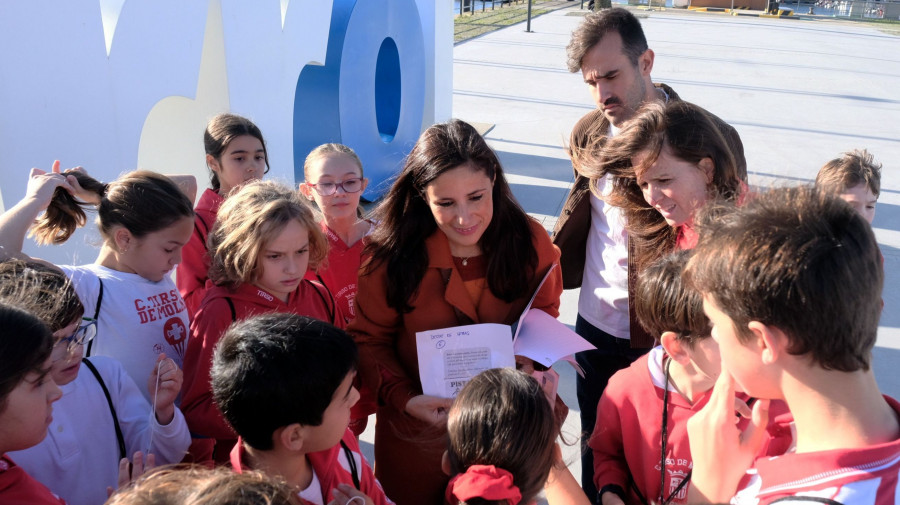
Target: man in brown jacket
{"type": "Point", "coordinates": [610, 50]}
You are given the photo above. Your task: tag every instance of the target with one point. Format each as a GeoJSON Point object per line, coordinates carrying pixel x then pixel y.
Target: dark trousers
{"type": "Point", "coordinates": [612, 355]}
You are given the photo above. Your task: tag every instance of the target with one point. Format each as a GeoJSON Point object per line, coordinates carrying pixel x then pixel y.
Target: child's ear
{"type": "Point", "coordinates": [212, 163]}
{"type": "Point", "coordinates": [365, 184]}
{"type": "Point", "coordinates": [122, 238]}
{"type": "Point", "coordinates": [291, 437]}
{"type": "Point", "coordinates": [306, 190]}
{"type": "Point", "coordinates": [770, 341]}
{"type": "Point", "coordinates": [445, 463]}
{"type": "Point", "coordinates": [674, 347]}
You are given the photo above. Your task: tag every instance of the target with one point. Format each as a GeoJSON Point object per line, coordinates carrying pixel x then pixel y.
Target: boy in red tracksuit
{"type": "Point", "coordinates": [285, 384]}
{"type": "Point", "coordinates": [640, 443]}
{"type": "Point", "coordinates": [792, 283]}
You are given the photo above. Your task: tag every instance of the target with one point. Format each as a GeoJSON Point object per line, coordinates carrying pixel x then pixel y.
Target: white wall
{"type": "Point", "coordinates": [114, 85]}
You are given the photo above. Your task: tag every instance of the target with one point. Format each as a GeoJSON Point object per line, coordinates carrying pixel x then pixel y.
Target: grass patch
{"type": "Point", "coordinates": [467, 26]}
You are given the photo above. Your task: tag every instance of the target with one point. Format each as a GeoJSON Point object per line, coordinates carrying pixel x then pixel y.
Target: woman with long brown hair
{"type": "Point", "coordinates": [452, 247]}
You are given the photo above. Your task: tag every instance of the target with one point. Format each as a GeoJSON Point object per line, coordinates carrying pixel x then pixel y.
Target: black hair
{"type": "Point", "coordinates": [405, 220]}
{"type": "Point", "coordinates": [25, 344]}
{"type": "Point", "coordinates": [273, 370]}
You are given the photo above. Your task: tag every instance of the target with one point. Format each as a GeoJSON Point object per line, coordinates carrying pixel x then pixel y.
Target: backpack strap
{"type": "Point", "coordinates": [96, 318]}
{"type": "Point", "coordinates": [112, 410]}
{"type": "Point", "coordinates": [205, 231]}
{"type": "Point", "coordinates": [354, 472]}
{"type": "Point", "coordinates": [332, 313]}
{"type": "Point", "coordinates": [231, 306]}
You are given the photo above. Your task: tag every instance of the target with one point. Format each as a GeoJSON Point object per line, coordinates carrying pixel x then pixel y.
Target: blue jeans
{"type": "Point", "coordinates": [612, 355]}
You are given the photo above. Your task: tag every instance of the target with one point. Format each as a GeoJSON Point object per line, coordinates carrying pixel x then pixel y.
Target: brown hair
{"type": "Point", "coordinates": [691, 134]}
{"type": "Point", "coordinates": [850, 170]}
{"type": "Point", "coordinates": [250, 219]}
{"type": "Point", "coordinates": [405, 220]}
{"type": "Point", "coordinates": [664, 302]}
{"type": "Point", "coordinates": [502, 418]}
{"type": "Point", "coordinates": [596, 25]}
{"type": "Point", "coordinates": [783, 259]}
{"type": "Point", "coordinates": [221, 130]}
{"type": "Point", "coordinates": [196, 485]}
{"type": "Point", "coordinates": [52, 298]}
{"type": "Point", "coordinates": [141, 201]}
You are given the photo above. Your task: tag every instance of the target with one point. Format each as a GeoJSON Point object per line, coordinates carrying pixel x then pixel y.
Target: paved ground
{"type": "Point", "coordinates": [798, 91]}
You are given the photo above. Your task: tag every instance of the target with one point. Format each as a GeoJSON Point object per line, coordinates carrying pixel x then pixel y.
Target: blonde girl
{"type": "Point", "coordinates": [261, 247]}
{"type": "Point", "coordinates": [334, 180]}
{"type": "Point", "coordinates": [235, 154]}
{"type": "Point", "coordinates": [145, 219]}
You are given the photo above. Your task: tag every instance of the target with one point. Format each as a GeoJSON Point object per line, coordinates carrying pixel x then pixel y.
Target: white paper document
{"type": "Point", "coordinates": [449, 357]}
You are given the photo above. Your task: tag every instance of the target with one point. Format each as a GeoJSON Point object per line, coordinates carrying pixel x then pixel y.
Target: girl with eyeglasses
{"type": "Point", "coordinates": [335, 182]}
{"type": "Point", "coordinates": [235, 154]}
{"type": "Point", "coordinates": [82, 453]}
{"type": "Point", "coordinates": [261, 247]}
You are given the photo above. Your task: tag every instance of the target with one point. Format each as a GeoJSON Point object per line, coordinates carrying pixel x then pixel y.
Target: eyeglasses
{"type": "Point", "coordinates": [82, 335]}
{"type": "Point", "coordinates": [353, 185]}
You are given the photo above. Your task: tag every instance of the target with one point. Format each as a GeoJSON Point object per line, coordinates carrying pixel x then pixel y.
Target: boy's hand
{"type": "Point", "coordinates": [721, 453]}
{"type": "Point", "coordinates": [431, 409]}
{"type": "Point", "coordinates": [346, 495]}
{"type": "Point", "coordinates": [129, 472]}
{"type": "Point", "coordinates": [169, 380]}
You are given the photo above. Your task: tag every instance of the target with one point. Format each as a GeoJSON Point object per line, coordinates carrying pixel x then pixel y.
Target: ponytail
{"type": "Point", "coordinates": [141, 201]}
{"type": "Point", "coordinates": [65, 214]}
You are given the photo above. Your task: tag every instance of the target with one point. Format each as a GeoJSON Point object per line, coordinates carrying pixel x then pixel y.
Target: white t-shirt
{"type": "Point", "coordinates": [138, 320]}
{"type": "Point", "coordinates": [79, 457]}
{"type": "Point", "coordinates": [313, 492]}
{"type": "Point", "coordinates": [603, 300]}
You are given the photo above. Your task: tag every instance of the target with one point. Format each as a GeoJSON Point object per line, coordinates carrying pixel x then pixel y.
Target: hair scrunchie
{"type": "Point", "coordinates": [483, 481]}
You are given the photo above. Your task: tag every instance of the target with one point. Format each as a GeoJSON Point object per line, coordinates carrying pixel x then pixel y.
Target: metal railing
{"type": "Point", "coordinates": [461, 7]}
{"type": "Point", "coordinates": [859, 9]}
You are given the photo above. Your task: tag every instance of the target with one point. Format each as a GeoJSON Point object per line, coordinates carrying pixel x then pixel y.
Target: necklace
{"type": "Point", "coordinates": [465, 261]}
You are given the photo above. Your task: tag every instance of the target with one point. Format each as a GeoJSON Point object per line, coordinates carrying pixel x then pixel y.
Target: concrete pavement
{"type": "Point", "coordinates": [799, 92]}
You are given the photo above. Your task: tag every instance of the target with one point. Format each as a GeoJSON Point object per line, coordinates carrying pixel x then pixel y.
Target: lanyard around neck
{"type": "Point", "coordinates": [665, 439]}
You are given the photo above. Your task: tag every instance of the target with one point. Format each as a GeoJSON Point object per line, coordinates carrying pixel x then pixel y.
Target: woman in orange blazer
{"type": "Point", "coordinates": [452, 247]}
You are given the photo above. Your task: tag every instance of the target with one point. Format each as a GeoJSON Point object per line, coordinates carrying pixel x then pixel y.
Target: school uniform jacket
{"type": "Point", "coordinates": [627, 439]}
{"type": "Point", "coordinates": [192, 272]}
{"type": "Point", "coordinates": [408, 451]}
{"type": "Point", "coordinates": [332, 467]}
{"type": "Point", "coordinates": [867, 476]}
{"type": "Point", "coordinates": [19, 488]}
{"type": "Point", "coordinates": [340, 277]}
{"type": "Point", "coordinates": [213, 318]}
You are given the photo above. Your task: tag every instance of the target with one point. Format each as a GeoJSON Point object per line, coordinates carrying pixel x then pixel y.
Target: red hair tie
{"type": "Point", "coordinates": [483, 481]}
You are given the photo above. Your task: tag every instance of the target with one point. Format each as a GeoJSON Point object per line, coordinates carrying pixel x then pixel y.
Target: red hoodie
{"type": "Point", "coordinates": [191, 273]}
{"type": "Point", "coordinates": [222, 306]}
{"type": "Point", "coordinates": [333, 467]}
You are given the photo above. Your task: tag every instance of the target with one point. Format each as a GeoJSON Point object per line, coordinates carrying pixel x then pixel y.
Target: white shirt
{"type": "Point", "coordinates": [138, 320]}
{"type": "Point", "coordinates": [79, 457]}
{"type": "Point", "coordinates": [603, 300]}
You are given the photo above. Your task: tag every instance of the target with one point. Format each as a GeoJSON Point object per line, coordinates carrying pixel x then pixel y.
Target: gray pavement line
{"type": "Point", "coordinates": [810, 130]}
{"type": "Point", "coordinates": [520, 99]}
{"type": "Point", "coordinates": [762, 89]}
{"type": "Point", "coordinates": [512, 66]}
